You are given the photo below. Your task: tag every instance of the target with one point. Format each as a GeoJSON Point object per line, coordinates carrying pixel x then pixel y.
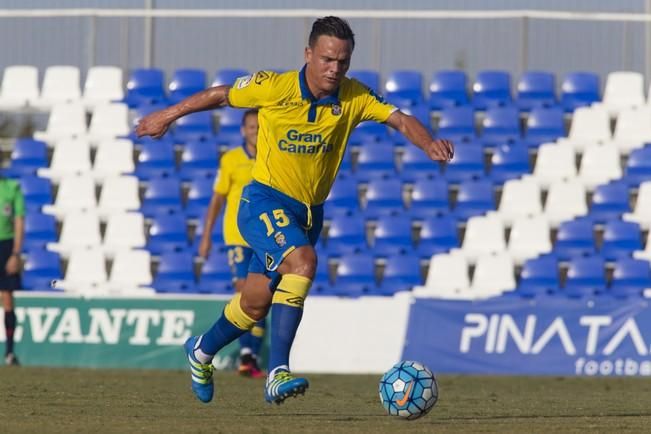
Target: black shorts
{"type": "Point", "coordinates": [8, 282]}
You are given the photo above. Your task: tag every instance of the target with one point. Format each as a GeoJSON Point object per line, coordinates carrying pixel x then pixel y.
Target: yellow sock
{"type": "Point", "coordinates": [234, 314]}
{"type": "Point", "coordinates": [292, 290]}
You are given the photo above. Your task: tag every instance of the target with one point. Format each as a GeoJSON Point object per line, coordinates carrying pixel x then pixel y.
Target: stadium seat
{"type": "Point", "coordinates": [66, 121]}
{"type": "Point", "coordinates": [590, 126]}
{"type": "Point", "coordinates": [367, 77]}
{"type": "Point", "coordinates": [456, 124]}
{"type": "Point", "coordinates": [163, 195]}
{"type": "Point", "coordinates": [383, 196]}
{"type": "Point", "coordinates": [76, 193]}
{"type": "Point", "coordinates": [620, 239]}
{"type": "Point", "coordinates": [114, 157]}
{"type": "Point", "coordinates": [404, 88]}
{"type": "Point", "coordinates": [509, 162]}
{"type": "Point", "coordinates": [448, 88]}
{"type": "Point", "coordinates": [194, 126]}
{"type": "Point", "coordinates": [186, 82]}
{"type": "Point", "coordinates": [610, 201]}
{"type": "Point", "coordinates": [468, 163]}
{"type": "Point", "coordinates": [124, 231]}
{"type": "Point", "coordinates": [103, 85]}
{"type": "Point", "coordinates": [494, 275]}
{"type": "Point", "coordinates": [536, 89]}
{"type": "Point", "coordinates": [347, 234]}
{"type": "Point", "coordinates": [374, 160]}
{"type": "Point", "coordinates": [131, 273]}
{"type": "Point", "coordinates": [343, 197]}
{"type": "Point", "coordinates": [167, 233]}
{"type": "Point", "coordinates": [355, 275]}
{"type": "Point", "coordinates": [438, 234]}
{"type": "Point", "coordinates": [554, 163]}
{"type": "Point", "coordinates": [109, 121]}
{"type": "Point", "coordinates": [119, 194]}
{"type": "Point", "coordinates": [419, 111]}
{"type": "Point", "coordinates": [500, 125]}
{"type": "Point", "coordinates": [80, 230]}
{"type": "Point", "coordinates": [216, 276]}
{"type": "Point", "coordinates": [19, 87]}
{"type": "Point", "coordinates": [199, 196]}
{"type": "Point", "coordinates": [575, 238]}
{"type": "Point", "coordinates": [484, 235]}
{"type": "Point", "coordinates": [27, 156]}
{"type": "Point", "coordinates": [230, 122]}
{"type": "Point", "coordinates": [631, 278]}
{"type": "Point", "coordinates": [529, 238]}
{"type": "Point", "coordinates": [447, 278]}
{"type": "Point", "coordinates": [544, 125]}
{"type": "Point", "coordinates": [321, 285]}
{"type": "Point", "coordinates": [40, 229]}
{"type": "Point", "coordinates": [633, 129]}
{"type": "Point", "coordinates": [520, 198]}
{"type": "Point", "coordinates": [566, 199]}
{"type": "Point", "coordinates": [642, 212]}
{"type": "Point", "coordinates": [228, 76]}
{"type": "Point", "coordinates": [393, 235]}
{"type": "Point", "coordinates": [585, 277]}
{"type": "Point", "coordinates": [599, 165]}
{"type": "Point", "coordinates": [491, 88]}
{"type": "Point", "coordinates": [156, 159]}
{"type": "Point", "coordinates": [429, 197]}
{"type": "Point", "coordinates": [36, 192]}
{"type": "Point", "coordinates": [475, 197]}
{"type": "Point", "coordinates": [416, 164]}
{"type": "Point", "coordinates": [40, 270]}
{"type": "Point", "coordinates": [86, 272]}
{"type": "Point", "coordinates": [217, 235]}
{"type": "Point", "coordinates": [199, 160]}
{"type": "Point", "coordinates": [145, 86]}
{"type": "Point", "coordinates": [539, 276]}
{"type": "Point", "coordinates": [401, 273]}
{"type": "Point", "coordinates": [61, 85]}
{"type": "Point", "coordinates": [624, 89]}
{"type": "Point", "coordinates": [71, 157]}
{"type": "Point", "coordinates": [175, 273]}
{"type": "Point", "coordinates": [579, 89]}
{"type": "Point", "coordinates": [368, 132]}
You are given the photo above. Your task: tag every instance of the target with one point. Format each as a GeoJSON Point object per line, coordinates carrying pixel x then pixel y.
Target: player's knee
{"type": "Point", "coordinates": [302, 262]}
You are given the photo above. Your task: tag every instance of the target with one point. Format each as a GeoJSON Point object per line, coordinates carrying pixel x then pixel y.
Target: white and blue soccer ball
{"type": "Point", "coordinates": [408, 390]}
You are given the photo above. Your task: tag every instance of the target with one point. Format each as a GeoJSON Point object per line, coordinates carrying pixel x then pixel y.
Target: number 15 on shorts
{"type": "Point", "coordinates": [279, 217]}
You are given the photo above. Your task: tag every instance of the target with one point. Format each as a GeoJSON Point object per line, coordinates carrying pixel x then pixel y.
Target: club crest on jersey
{"type": "Point", "coordinates": [280, 239]}
{"type": "Point", "coordinates": [336, 110]}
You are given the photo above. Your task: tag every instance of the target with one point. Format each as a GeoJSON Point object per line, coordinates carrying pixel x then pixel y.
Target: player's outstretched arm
{"type": "Point", "coordinates": [410, 127]}
{"type": "Point", "coordinates": [157, 123]}
{"type": "Point", "coordinates": [216, 204]}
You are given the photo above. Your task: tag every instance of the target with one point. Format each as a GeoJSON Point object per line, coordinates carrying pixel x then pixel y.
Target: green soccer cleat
{"type": "Point", "coordinates": [202, 382]}
{"type": "Point", "coordinates": [284, 385]}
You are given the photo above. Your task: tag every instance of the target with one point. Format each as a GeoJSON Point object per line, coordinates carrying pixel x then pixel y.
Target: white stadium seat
{"type": "Point", "coordinates": [19, 87]}
{"type": "Point", "coordinates": [60, 85]}
{"type": "Point", "coordinates": [108, 122]}
{"type": "Point", "coordinates": [600, 164]}
{"type": "Point", "coordinates": [566, 199]}
{"type": "Point", "coordinates": [447, 278]}
{"type": "Point", "coordinates": [119, 194]}
{"type": "Point", "coordinates": [86, 272]}
{"type": "Point", "coordinates": [624, 89]}
{"type": "Point", "coordinates": [131, 273]}
{"type": "Point", "coordinates": [590, 126]}
{"type": "Point", "coordinates": [124, 231]}
{"type": "Point", "coordinates": [494, 275]}
{"type": "Point", "coordinates": [76, 193]}
{"type": "Point", "coordinates": [554, 163]}
{"type": "Point", "coordinates": [80, 230]}
{"type": "Point", "coordinates": [114, 157]}
{"type": "Point", "coordinates": [71, 157]}
{"type": "Point", "coordinates": [103, 85]}
{"type": "Point", "coordinates": [529, 238]}
{"type": "Point", "coordinates": [484, 235]}
{"type": "Point", "coordinates": [642, 212]}
{"type": "Point", "coordinates": [66, 121]}
{"type": "Point", "coordinates": [520, 198]}
{"type": "Point", "coordinates": [633, 129]}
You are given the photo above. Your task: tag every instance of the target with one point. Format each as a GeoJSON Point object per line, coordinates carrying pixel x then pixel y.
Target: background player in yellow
{"type": "Point", "coordinates": [305, 120]}
{"type": "Point", "coordinates": [234, 173]}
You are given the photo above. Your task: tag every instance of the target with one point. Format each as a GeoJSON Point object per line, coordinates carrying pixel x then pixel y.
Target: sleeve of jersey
{"type": "Point", "coordinates": [374, 107]}
{"type": "Point", "coordinates": [252, 91]}
{"type": "Point", "coordinates": [223, 182]}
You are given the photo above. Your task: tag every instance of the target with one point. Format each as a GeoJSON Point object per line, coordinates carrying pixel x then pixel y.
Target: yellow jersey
{"type": "Point", "coordinates": [234, 173]}
{"type": "Point", "coordinates": [301, 140]}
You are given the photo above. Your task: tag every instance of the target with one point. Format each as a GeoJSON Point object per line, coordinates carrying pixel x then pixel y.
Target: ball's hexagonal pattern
{"type": "Point", "coordinates": [408, 390]}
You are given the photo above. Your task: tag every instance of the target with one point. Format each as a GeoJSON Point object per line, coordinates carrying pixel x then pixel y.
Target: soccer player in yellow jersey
{"type": "Point", "coordinates": [234, 173]}
{"type": "Point", "coordinates": [305, 120]}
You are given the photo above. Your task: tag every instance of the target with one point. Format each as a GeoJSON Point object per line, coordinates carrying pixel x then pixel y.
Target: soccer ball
{"type": "Point", "coordinates": [408, 390]}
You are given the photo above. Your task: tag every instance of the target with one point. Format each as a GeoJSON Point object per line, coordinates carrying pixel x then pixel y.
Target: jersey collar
{"type": "Point", "coordinates": [246, 151]}
{"type": "Point", "coordinates": [333, 98]}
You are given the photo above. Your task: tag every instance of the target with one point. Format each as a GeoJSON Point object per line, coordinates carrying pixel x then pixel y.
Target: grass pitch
{"type": "Point", "coordinates": [44, 400]}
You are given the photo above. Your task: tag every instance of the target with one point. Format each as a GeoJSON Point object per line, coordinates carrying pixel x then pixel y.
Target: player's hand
{"type": "Point", "coordinates": [13, 265]}
{"type": "Point", "coordinates": [205, 246]}
{"type": "Point", "coordinates": [440, 150]}
{"type": "Point", "coordinates": [154, 124]}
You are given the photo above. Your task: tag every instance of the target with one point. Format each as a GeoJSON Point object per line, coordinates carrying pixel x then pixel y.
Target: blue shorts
{"type": "Point", "coordinates": [274, 224]}
{"type": "Point", "coordinates": [238, 259]}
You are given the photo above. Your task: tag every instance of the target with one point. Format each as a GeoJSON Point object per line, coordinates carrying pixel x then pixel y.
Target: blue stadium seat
{"type": "Point", "coordinates": [402, 273]}
{"type": "Point", "coordinates": [199, 196]}
{"type": "Point", "coordinates": [509, 162]}
{"type": "Point", "coordinates": [575, 238]}
{"type": "Point", "coordinates": [448, 89]}
{"type": "Point", "coordinates": [355, 275]}
{"type": "Point", "coordinates": [500, 125]}
{"type": "Point", "coordinates": [536, 89]}
{"type": "Point", "coordinates": [491, 88]}
{"type": "Point", "coordinates": [343, 196]}
{"type": "Point", "coordinates": [437, 235]}
{"type": "Point", "coordinates": [620, 239]}
{"type": "Point", "coordinates": [347, 234]}
{"type": "Point", "coordinates": [40, 229]}
{"type": "Point", "coordinates": [199, 160]}
{"type": "Point", "coordinates": [579, 89]}
{"type": "Point", "coordinates": [186, 82]}
{"type": "Point", "coordinates": [416, 164]}
{"type": "Point", "coordinates": [156, 159]}
{"type": "Point", "coordinates": [40, 270]}
{"type": "Point", "coordinates": [230, 122]}
{"type": "Point", "coordinates": [393, 236]}
{"type": "Point", "coordinates": [544, 125]}
{"type": "Point", "coordinates": [610, 201]}
{"type": "Point", "coordinates": [638, 167]}
{"type": "Point", "coordinates": [228, 76]}
{"type": "Point", "coordinates": [36, 192]}
{"type": "Point", "coordinates": [175, 273]}
{"type": "Point", "coordinates": [217, 235]}
{"type": "Point", "coordinates": [216, 276]}
{"type": "Point", "coordinates": [468, 163]}
{"type": "Point", "coordinates": [162, 196]}
{"type": "Point", "coordinates": [194, 126]}
{"type": "Point", "coordinates": [168, 232]}
{"type": "Point", "coordinates": [457, 124]}
{"type": "Point", "coordinates": [27, 157]}
{"type": "Point", "coordinates": [475, 197]}
{"type": "Point", "coordinates": [365, 76]}
{"type": "Point", "coordinates": [368, 132]}
{"type": "Point", "coordinates": [429, 197]}
{"type": "Point", "coordinates": [630, 278]}
{"type": "Point", "coordinates": [375, 160]}
{"type": "Point", "coordinates": [321, 284]}
{"type": "Point", "coordinates": [539, 277]}
{"type": "Point", "coordinates": [145, 86]}
{"type": "Point", "coordinates": [585, 277]}
{"type": "Point", "coordinates": [404, 88]}
{"type": "Point", "coordinates": [383, 196]}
